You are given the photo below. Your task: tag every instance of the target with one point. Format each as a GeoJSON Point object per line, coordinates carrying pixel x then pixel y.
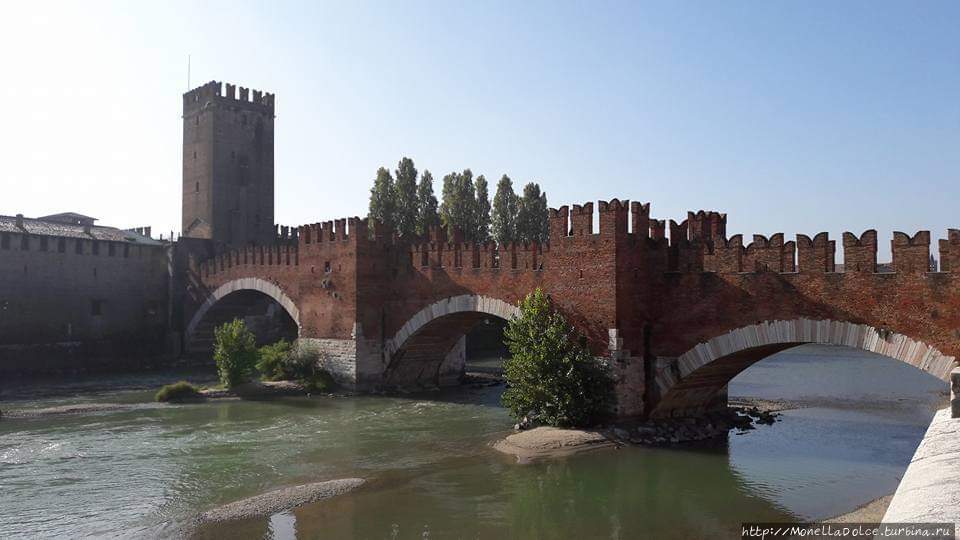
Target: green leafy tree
{"type": "Point", "coordinates": [533, 224]}
{"type": "Point", "coordinates": [551, 372]}
{"type": "Point", "coordinates": [504, 218]}
{"type": "Point", "coordinates": [427, 213]}
{"type": "Point", "coordinates": [235, 351]}
{"type": "Point", "coordinates": [458, 209]}
{"type": "Point", "coordinates": [482, 211]}
{"type": "Point", "coordinates": [383, 200]}
{"type": "Point", "coordinates": [406, 198]}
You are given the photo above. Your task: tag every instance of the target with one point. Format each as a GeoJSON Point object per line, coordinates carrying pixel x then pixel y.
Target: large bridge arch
{"type": "Point", "coordinates": [694, 381]}
{"type": "Point", "coordinates": [423, 351]}
{"type": "Point", "coordinates": [258, 285]}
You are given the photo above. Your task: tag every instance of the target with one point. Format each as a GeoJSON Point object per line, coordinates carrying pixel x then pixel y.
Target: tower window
{"type": "Point", "coordinates": [61, 245]}
{"type": "Point", "coordinates": [111, 249]}
{"type": "Point", "coordinates": [43, 243]}
{"type": "Point", "coordinates": [25, 243]}
{"type": "Point", "coordinates": [96, 247]}
{"type": "Point", "coordinates": [243, 120]}
{"type": "Point", "coordinates": [4, 241]}
{"type": "Point", "coordinates": [194, 154]}
{"type": "Point", "coordinates": [196, 120]}
{"type": "Point", "coordinates": [78, 247]}
{"type": "Point", "coordinates": [126, 250]}
{"type": "Point", "coordinates": [198, 187]}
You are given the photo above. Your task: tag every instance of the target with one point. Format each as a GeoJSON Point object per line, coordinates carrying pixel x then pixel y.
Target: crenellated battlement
{"type": "Point", "coordinates": [696, 244]}
{"type": "Point", "coordinates": [725, 256]}
{"type": "Point", "coordinates": [706, 225]}
{"type": "Point", "coordinates": [333, 232]}
{"type": "Point", "coordinates": [950, 251]}
{"type": "Point", "coordinates": [860, 253]}
{"type": "Point", "coordinates": [285, 255]}
{"type": "Point", "coordinates": [199, 96]}
{"type": "Point", "coordinates": [437, 251]}
{"type": "Point", "coordinates": [911, 254]}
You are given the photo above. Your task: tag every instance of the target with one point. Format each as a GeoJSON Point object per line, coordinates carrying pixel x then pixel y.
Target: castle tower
{"type": "Point", "coordinates": [228, 165]}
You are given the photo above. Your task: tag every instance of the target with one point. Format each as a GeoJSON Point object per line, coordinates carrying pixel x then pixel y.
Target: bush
{"type": "Point", "coordinates": [282, 362]}
{"type": "Point", "coordinates": [319, 381]}
{"type": "Point", "coordinates": [551, 373]}
{"type": "Point", "coordinates": [273, 362]}
{"type": "Point", "coordinates": [177, 391]}
{"type": "Point", "coordinates": [235, 351]}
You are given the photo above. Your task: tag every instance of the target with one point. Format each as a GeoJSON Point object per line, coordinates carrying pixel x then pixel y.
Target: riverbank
{"type": "Point", "coordinates": [871, 512]}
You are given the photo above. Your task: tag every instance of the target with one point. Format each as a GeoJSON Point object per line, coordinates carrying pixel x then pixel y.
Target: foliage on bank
{"type": "Point", "coordinates": [551, 374]}
{"type": "Point", "coordinates": [178, 391]}
{"type": "Point", "coordinates": [235, 352]}
{"type": "Point", "coordinates": [280, 361]}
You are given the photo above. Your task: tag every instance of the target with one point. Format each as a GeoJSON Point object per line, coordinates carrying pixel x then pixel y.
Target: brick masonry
{"type": "Point", "coordinates": [641, 299]}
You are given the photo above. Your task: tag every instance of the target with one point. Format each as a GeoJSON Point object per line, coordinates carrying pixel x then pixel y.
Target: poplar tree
{"type": "Point", "coordinates": [406, 201]}
{"type": "Point", "coordinates": [532, 216]}
{"type": "Point", "coordinates": [383, 200]}
{"type": "Point", "coordinates": [458, 209]}
{"type": "Point", "coordinates": [482, 211]}
{"type": "Point", "coordinates": [504, 218]}
{"type": "Point", "coordinates": [427, 215]}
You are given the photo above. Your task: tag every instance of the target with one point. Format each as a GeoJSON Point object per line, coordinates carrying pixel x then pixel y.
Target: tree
{"type": "Point", "coordinates": [533, 223]}
{"type": "Point", "coordinates": [427, 214]}
{"type": "Point", "coordinates": [504, 218]}
{"type": "Point", "coordinates": [482, 211]}
{"type": "Point", "coordinates": [406, 198]}
{"type": "Point", "coordinates": [458, 209]}
{"type": "Point", "coordinates": [235, 351]}
{"type": "Point", "coordinates": [551, 374]}
{"type": "Point", "coordinates": [383, 200]}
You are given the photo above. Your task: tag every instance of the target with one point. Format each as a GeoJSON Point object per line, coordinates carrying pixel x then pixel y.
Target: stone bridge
{"type": "Point", "coordinates": [675, 315]}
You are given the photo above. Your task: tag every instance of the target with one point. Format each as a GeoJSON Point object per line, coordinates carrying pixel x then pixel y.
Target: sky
{"type": "Point", "coordinates": [793, 117]}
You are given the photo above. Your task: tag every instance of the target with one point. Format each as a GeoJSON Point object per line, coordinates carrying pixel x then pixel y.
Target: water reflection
{"type": "Point", "coordinates": [149, 470]}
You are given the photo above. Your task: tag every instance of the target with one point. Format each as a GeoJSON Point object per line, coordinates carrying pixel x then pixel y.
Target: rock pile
{"type": "Point", "coordinates": [679, 430]}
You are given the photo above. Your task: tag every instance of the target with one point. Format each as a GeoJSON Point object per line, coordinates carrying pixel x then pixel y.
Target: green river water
{"type": "Point", "coordinates": [146, 471]}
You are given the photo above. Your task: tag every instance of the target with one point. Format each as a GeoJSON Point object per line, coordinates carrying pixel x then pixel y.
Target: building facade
{"type": "Point", "coordinates": [75, 296]}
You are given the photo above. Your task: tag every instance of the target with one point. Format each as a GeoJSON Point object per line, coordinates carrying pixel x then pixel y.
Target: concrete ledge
{"type": "Point", "coordinates": [930, 489]}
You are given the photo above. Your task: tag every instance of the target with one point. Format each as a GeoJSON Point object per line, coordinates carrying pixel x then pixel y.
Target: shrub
{"type": "Point", "coordinates": [551, 373]}
{"type": "Point", "coordinates": [177, 391]}
{"type": "Point", "coordinates": [235, 351]}
{"type": "Point", "coordinates": [319, 381]}
{"type": "Point", "coordinates": [273, 362]}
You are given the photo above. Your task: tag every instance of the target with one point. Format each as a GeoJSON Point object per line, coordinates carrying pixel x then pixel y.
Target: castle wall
{"type": "Point", "coordinates": [64, 310]}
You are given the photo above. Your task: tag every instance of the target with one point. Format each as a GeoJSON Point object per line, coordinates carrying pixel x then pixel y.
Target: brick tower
{"type": "Point", "coordinates": [228, 165]}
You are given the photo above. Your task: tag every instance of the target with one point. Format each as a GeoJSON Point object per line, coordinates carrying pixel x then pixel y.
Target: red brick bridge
{"type": "Point", "coordinates": [676, 316]}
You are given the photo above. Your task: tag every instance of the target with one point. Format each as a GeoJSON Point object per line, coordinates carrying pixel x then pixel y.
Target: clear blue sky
{"type": "Point", "coordinates": [789, 116]}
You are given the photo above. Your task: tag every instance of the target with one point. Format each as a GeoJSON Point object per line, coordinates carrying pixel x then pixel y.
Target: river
{"type": "Point", "coordinates": [146, 471]}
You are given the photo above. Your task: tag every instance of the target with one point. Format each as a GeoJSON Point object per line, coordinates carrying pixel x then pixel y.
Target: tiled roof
{"type": "Point", "coordinates": [41, 227]}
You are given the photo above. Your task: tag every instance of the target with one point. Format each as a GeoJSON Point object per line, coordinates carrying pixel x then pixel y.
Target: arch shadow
{"type": "Point", "coordinates": [694, 381]}
{"type": "Point", "coordinates": [429, 350]}
{"type": "Point", "coordinates": [244, 284]}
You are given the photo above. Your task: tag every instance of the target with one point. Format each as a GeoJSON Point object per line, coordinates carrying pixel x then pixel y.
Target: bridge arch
{"type": "Point", "coordinates": [694, 381]}
{"type": "Point", "coordinates": [424, 351]}
{"type": "Point", "coordinates": [258, 285]}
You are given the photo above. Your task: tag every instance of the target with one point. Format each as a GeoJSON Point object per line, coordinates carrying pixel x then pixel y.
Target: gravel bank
{"type": "Point", "coordinates": [279, 500]}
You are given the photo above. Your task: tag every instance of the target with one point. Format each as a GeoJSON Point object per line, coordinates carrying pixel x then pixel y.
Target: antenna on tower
{"type": "Point", "coordinates": [188, 72]}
